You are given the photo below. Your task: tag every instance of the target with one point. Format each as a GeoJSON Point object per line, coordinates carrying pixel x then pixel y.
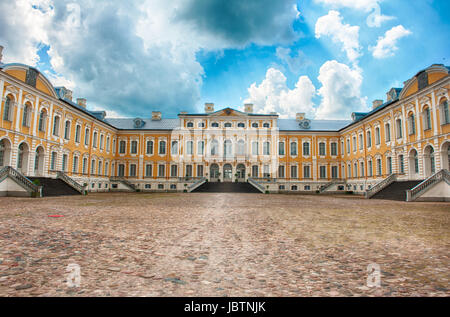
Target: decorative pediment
{"type": "Point", "coordinates": [229, 112]}
{"type": "Point", "coordinates": [424, 100]}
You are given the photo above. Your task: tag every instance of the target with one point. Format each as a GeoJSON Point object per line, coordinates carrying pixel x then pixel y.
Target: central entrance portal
{"type": "Point", "coordinates": [227, 173]}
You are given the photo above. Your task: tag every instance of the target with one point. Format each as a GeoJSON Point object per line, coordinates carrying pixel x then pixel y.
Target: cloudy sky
{"type": "Point", "coordinates": [327, 58]}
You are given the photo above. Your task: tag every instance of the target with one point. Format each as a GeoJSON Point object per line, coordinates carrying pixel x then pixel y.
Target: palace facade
{"type": "Point", "coordinates": [43, 130]}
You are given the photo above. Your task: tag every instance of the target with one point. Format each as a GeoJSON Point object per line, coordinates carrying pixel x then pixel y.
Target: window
{"type": "Point", "coordinates": [255, 172]}
{"type": "Point", "coordinates": [148, 170]}
{"type": "Point", "coordinates": [349, 171]}
{"type": "Point", "coordinates": [84, 167]}
{"type": "Point", "coordinates": [56, 120]}
{"type": "Point", "coordinates": [114, 146]}
{"type": "Point", "coordinates": [294, 187]}
{"type": "Point", "coordinates": [379, 167]}
{"type": "Point", "coordinates": [227, 125]}
{"type": "Point", "coordinates": [26, 115]}
{"type": "Point", "coordinates": [7, 109]}
{"type": "Point", "coordinates": [427, 118]}
{"type": "Point", "coordinates": [334, 148]}
{"type": "Point", "coordinates": [399, 128]}
{"type": "Point", "coordinates": [42, 119]}
{"type": "Point", "coordinates": [355, 170]}
{"type": "Point", "coordinates": [361, 142]}
{"type": "Point", "coordinates": [64, 162]}
{"type": "Point", "coordinates": [93, 167]}
{"type": "Point", "coordinates": [294, 173]}
{"type": "Point", "coordinates": [161, 170]}
{"type": "Point", "coordinates": [189, 170]}
{"type": "Point", "coordinates": [416, 163]}
{"type": "Point", "coordinates": [53, 161]}
{"type": "Point", "coordinates": [101, 141]}
{"type": "Point", "coordinates": [173, 171]}
{"type": "Point", "coordinates": [162, 147]}
{"type": "Point", "coordinates": [99, 169]}
{"type": "Point", "coordinates": [132, 170]}
{"type": "Point", "coordinates": [240, 147]}
{"type": "Point", "coordinates": [266, 125]}
{"type": "Point", "coordinates": [134, 147]}
{"type": "Point", "coordinates": [174, 148]}
{"type": "Point", "coordinates": [106, 168]}
{"type": "Point", "coordinates": [75, 164]}
{"type": "Point", "coordinates": [214, 147]}
{"type": "Point", "coordinates": [189, 147]}
{"type": "Point", "coordinates": [323, 172]}
{"type": "Point", "coordinates": [77, 133]}
{"type": "Point", "coordinates": [20, 155]}
{"type": "Point", "coordinates": [190, 124]}
{"type": "Point", "coordinates": [389, 165]}
{"type": "Point", "coordinates": [121, 170]}
{"type": "Point", "coordinates": [369, 168]}
{"type": "Point", "coordinates": [369, 139]}
{"type": "Point", "coordinates": [293, 148]}
{"type": "Point", "coordinates": [200, 147]}
{"type": "Point", "coordinates": [254, 125]}
{"type": "Point", "coordinates": [108, 141]}
{"type": "Point", "coordinates": [215, 125]}
{"type": "Point", "coordinates": [199, 170]}
{"type": "Point", "coordinates": [94, 139]}
{"type": "Point", "coordinates": [201, 124]}
{"type": "Point", "coordinates": [255, 148]}
{"type": "Point", "coordinates": [306, 171]}
{"type": "Point", "coordinates": [322, 148]}
{"type": "Point", "coordinates": [266, 171]}
{"type": "Point", "coordinates": [281, 148]}
{"type": "Point", "coordinates": [241, 125]}
{"type": "Point", "coordinates": [306, 149]}
{"type": "Point", "coordinates": [377, 136]}
{"type": "Point", "coordinates": [445, 116]}
{"type": "Point", "coordinates": [401, 164]}
{"type": "Point", "coordinates": [411, 124]}
{"type": "Point", "coordinates": [227, 148]}
{"type": "Point", "coordinates": [281, 171]}
{"type": "Point", "coordinates": [122, 146]}
{"type": "Point", "coordinates": [348, 146]}
{"type": "Point", "coordinates": [150, 147]}
{"type": "Point", "coordinates": [334, 172]}
{"type": "Point", "coordinates": [266, 148]}
{"type": "Point", "coordinates": [387, 132]}
{"type": "Point", "coordinates": [67, 130]}
{"type": "Point", "coordinates": [362, 168]}
{"type": "Point", "coordinates": [86, 137]}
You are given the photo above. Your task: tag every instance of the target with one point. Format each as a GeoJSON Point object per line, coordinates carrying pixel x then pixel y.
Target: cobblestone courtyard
{"type": "Point", "coordinates": [224, 244]}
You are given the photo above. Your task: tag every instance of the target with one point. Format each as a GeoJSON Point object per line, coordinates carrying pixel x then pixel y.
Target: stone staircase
{"type": "Point", "coordinates": [396, 190]}
{"type": "Point", "coordinates": [226, 187]}
{"type": "Point", "coordinates": [54, 187]}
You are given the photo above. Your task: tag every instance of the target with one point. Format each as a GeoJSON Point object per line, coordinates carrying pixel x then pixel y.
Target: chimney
{"type": "Point", "coordinates": [300, 116]}
{"type": "Point", "coordinates": [1, 51]}
{"type": "Point", "coordinates": [209, 107]}
{"type": "Point", "coordinates": [68, 94]}
{"type": "Point", "coordinates": [156, 115]}
{"type": "Point", "coordinates": [377, 103]}
{"type": "Point", "coordinates": [248, 108]}
{"type": "Point", "coordinates": [81, 102]}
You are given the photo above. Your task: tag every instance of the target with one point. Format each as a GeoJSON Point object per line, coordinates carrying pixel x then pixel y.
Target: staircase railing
{"type": "Point", "coordinates": [381, 185]}
{"type": "Point", "coordinates": [328, 185]}
{"type": "Point", "coordinates": [69, 181]}
{"type": "Point", "coordinates": [197, 184]}
{"type": "Point", "coordinates": [124, 181]}
{"type": "Point", "coordinates": [8, 171]}
{"type": "Point", "coordinates": [414, 193]}
{"type": "Point", "coordinates": [256, 184]}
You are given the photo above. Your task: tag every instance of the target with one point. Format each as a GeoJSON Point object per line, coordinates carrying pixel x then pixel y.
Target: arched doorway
{"type": "Point", "coordinates": [214, 172]}
{"type": "Point", "coordinates": [429, 161]}
{"type": "Point", "coordinates": [445, 156]}
{"type": "Point", "coordinates": [5, 153]}
{"type": "Point", "coordinates": [227, 173]}
{"type": "Point", "coordinates": [22, 158]}
{"type": "Point", "coordinates": [413, 163]}
{"type": "Point", "coordinates": [240, 171]}
{"type": "Point", "coordinates": [39, 161]}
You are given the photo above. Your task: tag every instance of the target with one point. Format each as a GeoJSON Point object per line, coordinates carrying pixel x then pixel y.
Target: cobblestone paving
{"type": "Point", "coordinates": [223, 244]}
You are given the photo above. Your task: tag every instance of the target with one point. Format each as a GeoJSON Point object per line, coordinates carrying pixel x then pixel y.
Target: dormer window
{"type": "Point", "coordinates": [215, 125]}
{"type": "Point", "coordinates": [138, 123]}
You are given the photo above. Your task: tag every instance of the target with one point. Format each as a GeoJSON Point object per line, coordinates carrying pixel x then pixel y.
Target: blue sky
{"type": "Point", "coordinates": [327, 58]}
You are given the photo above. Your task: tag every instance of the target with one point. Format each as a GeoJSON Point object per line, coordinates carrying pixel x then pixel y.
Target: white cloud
{"type": "Point", "coordinates": [273, 95]}
{"type": "Point", "coordinates": [387, 44]}
{"type": "Point", "coordinates": [295, 62]}
{"type": "Point", "coordinates": [348, 36]}
{"type": "Point", "coordinates": [375, 17]}
{"type": "Point", "coordinates": [340, 91]}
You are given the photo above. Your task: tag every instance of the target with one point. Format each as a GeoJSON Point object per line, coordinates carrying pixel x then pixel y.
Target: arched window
{"type": "Point", "coordinates": [174, 148]}
{"type": "Point", "coordinates": [190, 124]}
{"type": "Point", "coordinates": [281, 148]}
{"type": "Point", "coordinates": [241, 125]}
{"type": "Point", "coordinates": [77, 133]}
{"type": "Point", "coordinates": [445, 116]}
{"type": "Point", "coordinates": [227, 148]}
{"type": "Point", "coordinates": [189, 147]}
{"type": "Point", "coordinates": [387, 132]}
{"type": "Point", "coordinates": [426, 118]}
{"type": "Point", "coordinates": [266, 125]}
{"type": "Point", "coordinates": [293, 148]}
{"type": "Point", "coordinates": [255, 148]}
{"type": "Point", "coordinates": [56, 120]}
{"type": "Point", "coordinates": [227, 125]}
{"type": "Point", "coordinates": [42, 120]}
{"type": "Point", "coordinates": [254, 125]}
{"type": "Point", "coordinates": [215, 125]}
{"type": "Point", "coordinates": [377, 136]}
{"type": "Point", "coordinates": [240, 147]}
{"type": "Point", "coordinates": [86, 136]}
{"type": "Point", "coordinates": [306, 149]}
{"type": "Point", "coordinates": [369, 139]}
{"type": "Point", "coordinates": [122, 147]}
{"type": "Point", "coordinates": [94, 139]}
{"type": "Point", "coordinates": [162, 147]}
{"type": "Point", "coordinates": [7, 108]}
{"type": "Point", "coordinates": [266, 148]}
{"type": "Point", "coordinates": [149, 147]}
{"type": "Point", "coordinates": [214, 147]}
{"type": "Point", "coordinates": [67, 130]}
{"type": "Point", "coordinates": [20, 154]}
{"type": "Point", "coordinates": [411, 124]}
{"type": "Point", "coordinates": [2, 153]}
{"type": "Point", "coordinates": [322, 151]}
{"type": "Point", "coordinates": [26, 115]}
{"type": "Point", "coordinates": [134, 146]}
{"type": "Point", "coordinates": [399, 128]}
